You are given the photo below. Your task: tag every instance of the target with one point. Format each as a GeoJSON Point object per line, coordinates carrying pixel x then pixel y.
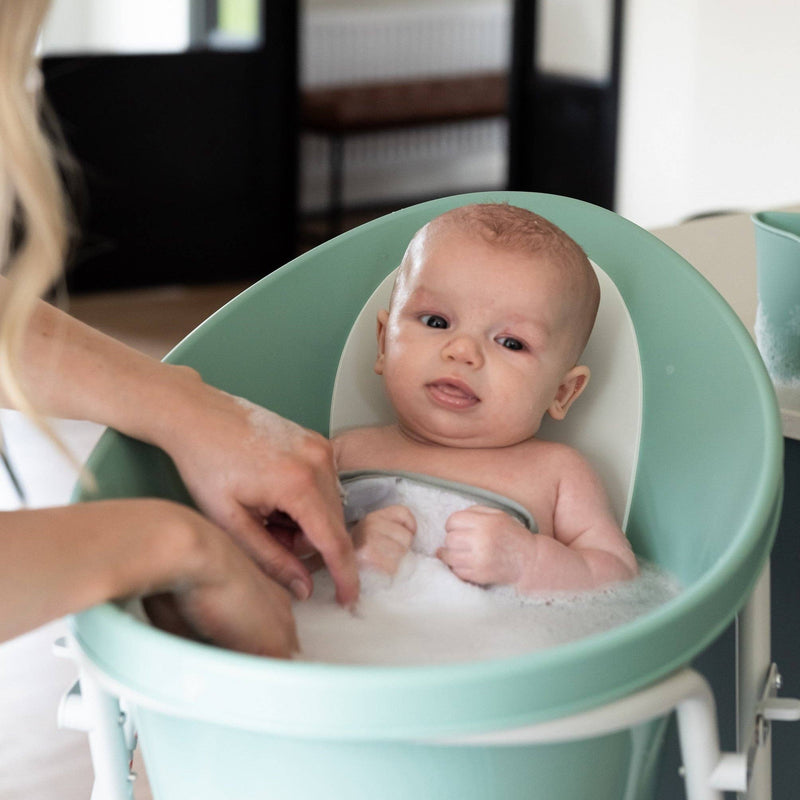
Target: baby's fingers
{"type": "Point", "coordinates": [383, 555]}
{"type": "Point", "coordinates": [462, 562]}
{"type": "Point", "coordinates": [392, 522]}
{"type": "Point", "coordinates": [460, 548]}
{"type": "Point", "coordinates": [472, 517]}
{"type": "Point", "coordinates": [383, 537]}
{"type": "Point", "coordinates": [398, 516]}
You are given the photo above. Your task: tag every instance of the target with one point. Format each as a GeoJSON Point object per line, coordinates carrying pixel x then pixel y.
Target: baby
{"type": "Point", "coordinates": [490, 312]}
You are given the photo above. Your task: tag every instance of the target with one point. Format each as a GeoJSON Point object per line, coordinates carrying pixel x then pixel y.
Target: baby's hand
{"type": "Point", "coordinates": [486, 546]}
{"type": "Point", "coordinates": [383, 537]}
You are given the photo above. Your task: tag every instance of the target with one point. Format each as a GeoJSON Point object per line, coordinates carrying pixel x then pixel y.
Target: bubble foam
{"type": "Point", "coordinates": [780, 347]}
{"type": "Point", "coordinates": [426, 615]}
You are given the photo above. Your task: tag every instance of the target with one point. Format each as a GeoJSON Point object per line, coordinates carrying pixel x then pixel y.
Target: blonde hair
{"type": "Point", "coordinates": [33, 210]}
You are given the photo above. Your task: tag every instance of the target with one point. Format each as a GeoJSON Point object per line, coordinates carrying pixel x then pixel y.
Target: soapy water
{"type": "Point", "coordinates": [780, 348]}
{"type": "Point", "coordinates": [427, 615]}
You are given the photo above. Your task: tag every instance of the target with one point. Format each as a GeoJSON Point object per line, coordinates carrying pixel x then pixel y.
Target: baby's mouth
{"type": "Point", "coordinates": [453, 394]}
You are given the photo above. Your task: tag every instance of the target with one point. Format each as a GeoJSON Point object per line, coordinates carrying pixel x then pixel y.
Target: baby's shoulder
{"type": "Point", "coordinates": [555, 457]}
{"type": "Point", "coordinates": [544, 449]}
{"type": "Point", "coordinates": [533, 473]}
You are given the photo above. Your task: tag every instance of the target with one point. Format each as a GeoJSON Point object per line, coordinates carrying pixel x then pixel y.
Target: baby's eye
{"type": "Point", "coordinates": [510, 342]}
{"type": "Point", "coordinates": [433, 321]}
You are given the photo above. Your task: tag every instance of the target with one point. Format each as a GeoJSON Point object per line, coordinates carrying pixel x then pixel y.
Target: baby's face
{"type": "Point", "coordinates": [477, 343]}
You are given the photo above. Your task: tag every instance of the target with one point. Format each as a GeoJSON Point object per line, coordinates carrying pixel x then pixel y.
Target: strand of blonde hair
{"type": "Point", "coordinates": [33, 209]}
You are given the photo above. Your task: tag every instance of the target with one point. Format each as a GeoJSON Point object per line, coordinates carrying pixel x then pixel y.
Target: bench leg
{"type": "Point", "coordinates": [336, 182]}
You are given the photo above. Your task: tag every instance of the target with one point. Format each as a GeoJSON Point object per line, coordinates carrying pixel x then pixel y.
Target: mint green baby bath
{"type": "Point", "coordinates": [217, 724]}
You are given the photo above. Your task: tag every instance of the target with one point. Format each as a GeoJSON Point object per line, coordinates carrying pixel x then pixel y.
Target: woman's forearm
{"type": "Point", "coordinates": [239, 461]}
{"type": "Point", "coordinates": [59, 560]}
{"type": "Point", "coordinates": [73, 371]}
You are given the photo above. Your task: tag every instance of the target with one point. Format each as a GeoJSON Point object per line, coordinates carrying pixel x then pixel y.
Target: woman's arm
{"type": "Point", "coordinates": [57, 561]}
{"type": "Point", "coordinates": [240, 462]}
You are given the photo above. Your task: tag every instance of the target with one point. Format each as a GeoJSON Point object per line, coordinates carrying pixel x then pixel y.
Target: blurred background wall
{"type": "Point", "coordinates": [660, 111]}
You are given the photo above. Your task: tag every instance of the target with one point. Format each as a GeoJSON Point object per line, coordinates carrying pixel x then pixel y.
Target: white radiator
{"type": "Point", "coordinates": [405, 40]}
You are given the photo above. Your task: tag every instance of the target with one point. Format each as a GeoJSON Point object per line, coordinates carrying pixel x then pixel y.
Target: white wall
{"type": "Point", "coordinates": [710, 112]}
{"type": "Point", "coordinates": [709, 118]}
{"type": "Point", "coordinates": [344, 42]}
{"type": "Point", "coordinates": [121, 26]}
{"type": "Point", "coordinates": [574, 38]}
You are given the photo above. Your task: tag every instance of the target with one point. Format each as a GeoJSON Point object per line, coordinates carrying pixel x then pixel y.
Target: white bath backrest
{"type": "Point", "coordinates": [604, 424]}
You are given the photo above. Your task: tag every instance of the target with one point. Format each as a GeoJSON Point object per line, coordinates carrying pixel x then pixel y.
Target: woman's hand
{"type": "Point", "coordinates": [243, 463]}
{"type": "Point", "coordinates": [223, 597]}
{"type": "Point", "coordinates": [383, 537]}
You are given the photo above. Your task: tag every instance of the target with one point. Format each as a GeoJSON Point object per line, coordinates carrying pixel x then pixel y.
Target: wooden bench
{"type": "Point", "coordinates": [340, 111]}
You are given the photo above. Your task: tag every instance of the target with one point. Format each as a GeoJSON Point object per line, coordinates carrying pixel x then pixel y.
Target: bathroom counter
{"type": "Point", "coordinates": [722, 248]}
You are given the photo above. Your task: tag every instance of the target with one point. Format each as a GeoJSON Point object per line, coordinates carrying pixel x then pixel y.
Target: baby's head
{"type": "Point", "coordinates": [511, 230]}
{"type": "Point", "coordinates": [492, 307]}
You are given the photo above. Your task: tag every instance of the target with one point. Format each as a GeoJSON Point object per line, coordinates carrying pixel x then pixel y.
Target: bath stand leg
{"type": "Point", "coordinates": [757, 687]}
{"type": "Point", "coordinates": [753, 661]}
{"type": "Point", "coordinates": [707, 772]}
{"type": "Point", "coordinates": [88, 707]}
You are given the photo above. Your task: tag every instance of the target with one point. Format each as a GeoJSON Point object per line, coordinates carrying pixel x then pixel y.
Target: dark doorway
{"type": "Point", "coordinates": [562, 129]}
{"type": "Point", "coordinates": [187, 161]}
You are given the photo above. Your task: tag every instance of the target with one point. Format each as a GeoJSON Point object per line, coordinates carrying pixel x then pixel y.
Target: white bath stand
{"type": "Point", "coordinates": [92, 706]}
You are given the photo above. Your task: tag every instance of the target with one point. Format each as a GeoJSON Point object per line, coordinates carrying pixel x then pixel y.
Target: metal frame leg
{"type": "Point", "coordinates": [757, 685]}
{"type": "Point", "coordinates": [113, 779]}
{"type": "Point", "coordinates": [88, 707]}
{"type": "Point", "coordinates": [707, 772]}
{"type": "Point", "coordinates": [753, 661]}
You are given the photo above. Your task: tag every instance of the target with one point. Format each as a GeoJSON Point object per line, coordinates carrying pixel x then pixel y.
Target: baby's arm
{"type": "Point", "coordinates": [587, 549]}
{"type": "Point", "coordinates": [383, 537]}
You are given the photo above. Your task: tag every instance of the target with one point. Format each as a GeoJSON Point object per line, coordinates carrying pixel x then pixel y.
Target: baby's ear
{"type": "Point", "coordinates": [383, 318]}
{"type": "Point", "coordinates": [569, 390]}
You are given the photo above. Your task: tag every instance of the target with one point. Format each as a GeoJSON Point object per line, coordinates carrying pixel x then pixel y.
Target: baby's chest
{"type": "Point", "coordinates": [522, 476]}
{"type": "Point", "coordinates": [431, 500]}
{"type": "Point", "coordinates": [524, 481]}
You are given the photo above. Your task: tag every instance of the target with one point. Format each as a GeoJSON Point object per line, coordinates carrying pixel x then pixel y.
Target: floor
{"type": "Point", "coordinates": [152, 320]}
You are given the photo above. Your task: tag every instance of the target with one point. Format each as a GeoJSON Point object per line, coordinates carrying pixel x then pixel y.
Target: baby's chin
{"type": "Point", "coordinates": [469, 440]}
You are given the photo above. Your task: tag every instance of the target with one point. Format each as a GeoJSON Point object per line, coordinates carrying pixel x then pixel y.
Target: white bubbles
{"type": "Point", "coordinates": [426, 615]}
{"type": "Point", "coordinates": [780, 346]}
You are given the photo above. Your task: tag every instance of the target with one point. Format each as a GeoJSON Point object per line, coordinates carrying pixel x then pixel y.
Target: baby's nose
{"type": "Point", "coordinates": [463, 349]}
